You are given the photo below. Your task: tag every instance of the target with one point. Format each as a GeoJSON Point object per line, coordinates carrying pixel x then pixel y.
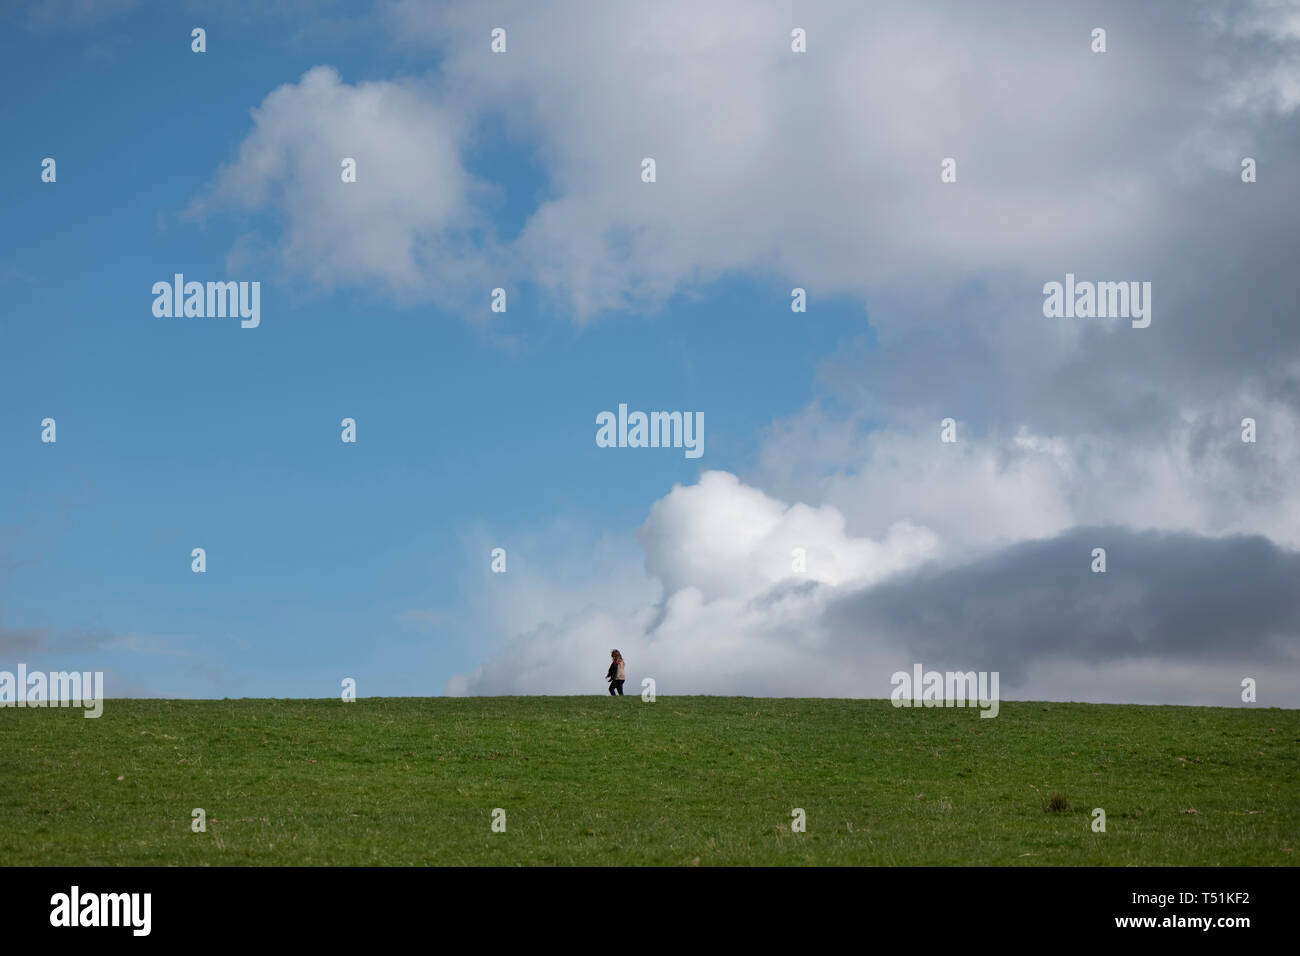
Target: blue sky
{"type": "Point", "coordinates": [175, 434]}
{"type": "Point", "coordinates": [776, 169]}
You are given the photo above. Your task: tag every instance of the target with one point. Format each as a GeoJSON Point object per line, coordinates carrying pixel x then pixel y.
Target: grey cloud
{"type": "Point", "coordinates": [16, 643]}
{"type": "Point", "coordinates": [1175, 597]}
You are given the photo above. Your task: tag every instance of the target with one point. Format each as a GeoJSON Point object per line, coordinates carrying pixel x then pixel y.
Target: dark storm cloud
{"type": "Point", "coordinates": [1176, 597]}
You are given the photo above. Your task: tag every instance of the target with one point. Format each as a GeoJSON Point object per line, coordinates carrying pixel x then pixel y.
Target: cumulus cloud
{"type": "Point", "coordinates": [726, 539]}
{"type": "Point", "coordinates": [810, 167]}
{"type": "Point", "coordinates": [824, 166]}
{"type": "Point", "coordinates": [997, 485]}
{"type": "Point", "coordinates": [823, 169]}
{"type": "Point", "coordinates": [733, 610]}
{"type": "Point", "coordinates": [1176, 618]}
{"type": "Point", "coordinates": [406, 221]}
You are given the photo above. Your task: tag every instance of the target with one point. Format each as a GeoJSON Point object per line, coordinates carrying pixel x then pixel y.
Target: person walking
{"type": "Point", "coordinates": [617, 673]}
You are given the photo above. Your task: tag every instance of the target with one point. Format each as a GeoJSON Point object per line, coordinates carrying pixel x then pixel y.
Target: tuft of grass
{"type": "Point", "coordinates": [684, 781]}
{"type": "Point", "coordinates": [1058, 803]}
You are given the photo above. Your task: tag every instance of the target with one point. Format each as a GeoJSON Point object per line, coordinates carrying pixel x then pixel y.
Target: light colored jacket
{"type": "Point", "coordinates": [620, 672]}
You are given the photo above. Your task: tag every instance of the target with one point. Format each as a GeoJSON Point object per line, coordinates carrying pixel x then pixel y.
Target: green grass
{"type": "Point", "coordinates": [685, 780]}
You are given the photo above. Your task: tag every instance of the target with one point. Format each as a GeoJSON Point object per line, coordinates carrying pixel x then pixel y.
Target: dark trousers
{"type": "Point", "coordinates": [616, 685]}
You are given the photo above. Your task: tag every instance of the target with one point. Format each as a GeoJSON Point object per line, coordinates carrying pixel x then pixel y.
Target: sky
{"type": "Point", "coordinates": [827, 536]}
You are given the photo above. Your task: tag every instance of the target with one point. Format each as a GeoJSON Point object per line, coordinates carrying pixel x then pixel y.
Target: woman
{"type": "Point", "coordinates": [617, 673]}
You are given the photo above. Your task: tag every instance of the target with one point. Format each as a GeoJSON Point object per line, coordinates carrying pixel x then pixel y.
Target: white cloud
{"type": "Point", "coordinates": [401, 224]}
{"type": "Point", "coordinates": [735, 616]}
{"type": "Point", "coordinates": [726, 539]}
{"type": "Point", "coordinates": [821, 167]}
{"type": "Point", "coordinates": [997, 486]}
{"type": "Point", "coordinates": [734, 619]}
{"type": "Point", "coordinates": [824, 166]}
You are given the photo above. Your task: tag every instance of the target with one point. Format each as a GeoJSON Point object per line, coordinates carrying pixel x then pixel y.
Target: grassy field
{"type": "Point", "coordinates": [683, 781]}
